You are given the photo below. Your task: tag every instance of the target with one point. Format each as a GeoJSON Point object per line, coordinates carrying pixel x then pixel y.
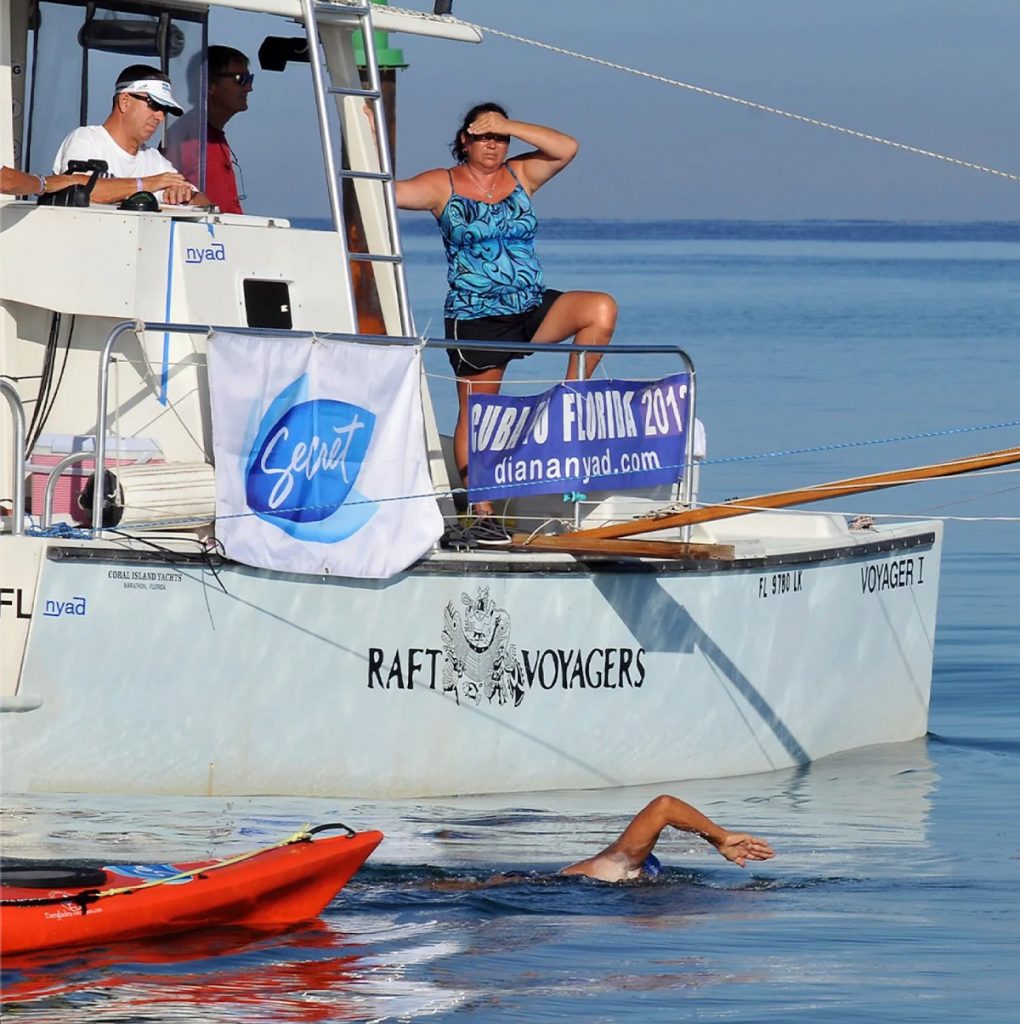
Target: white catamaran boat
{"type": "Point", "coordinates": [139, 654]}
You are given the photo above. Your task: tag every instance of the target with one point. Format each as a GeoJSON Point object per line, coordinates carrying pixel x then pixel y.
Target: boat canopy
{"type": "Point", "coordinates": [64, 92]}
{"type": "Point", "coordinates": [51, 90]}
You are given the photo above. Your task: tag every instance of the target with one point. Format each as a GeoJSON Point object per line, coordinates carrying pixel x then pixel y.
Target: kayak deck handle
{"type": "Point", "coordinates": [329, 826]}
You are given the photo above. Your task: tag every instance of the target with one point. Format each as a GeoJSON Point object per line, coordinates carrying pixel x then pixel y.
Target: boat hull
{"type": "Point", "coordinates": [470, 675]}
{"type": "Point", "coordinates": [272, 889]}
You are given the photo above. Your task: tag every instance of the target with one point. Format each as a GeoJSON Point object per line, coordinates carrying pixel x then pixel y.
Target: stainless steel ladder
{"type": "Point", "coordinates": [360, 16]}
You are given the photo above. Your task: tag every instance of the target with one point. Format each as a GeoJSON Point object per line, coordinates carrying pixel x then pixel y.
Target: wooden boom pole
{"type": "Point", "coordinates": [781, 499]}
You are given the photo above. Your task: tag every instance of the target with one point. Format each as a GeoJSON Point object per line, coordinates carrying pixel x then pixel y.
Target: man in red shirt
{"type": "Point", "coordinates": [230, 81]}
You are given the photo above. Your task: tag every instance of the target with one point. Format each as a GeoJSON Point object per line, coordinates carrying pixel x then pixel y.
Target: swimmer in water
{"type": "Point", "coordinates": [630, 857]}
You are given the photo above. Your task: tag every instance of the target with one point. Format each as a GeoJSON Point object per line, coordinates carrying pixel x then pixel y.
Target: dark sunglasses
{"type": "Point", "coordinates": [149, 102]}
{"type": "Point", "coordinates": [489, 137]}
{"type": "Point", "coordinates": [242, 78]}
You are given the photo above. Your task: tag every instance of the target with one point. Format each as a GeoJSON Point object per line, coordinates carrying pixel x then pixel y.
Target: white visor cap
{"type": "Point", "coordinates": [159, 91]}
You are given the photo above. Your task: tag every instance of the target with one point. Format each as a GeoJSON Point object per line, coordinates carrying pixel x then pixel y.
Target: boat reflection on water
{"type": "Point", "coordinates": [313, 973]}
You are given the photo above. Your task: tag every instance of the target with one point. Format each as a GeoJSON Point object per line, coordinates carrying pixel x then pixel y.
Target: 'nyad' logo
{"type": "Point", "coordinates": [214, 253]}
{"type": "Point", "coordinates": [303, 464]}
{"type": "Point", "coordinates": [55, 609]}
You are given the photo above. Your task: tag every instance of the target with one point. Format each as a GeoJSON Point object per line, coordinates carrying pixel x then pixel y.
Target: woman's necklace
{"type": "Point", "coordinates": [487, 190]}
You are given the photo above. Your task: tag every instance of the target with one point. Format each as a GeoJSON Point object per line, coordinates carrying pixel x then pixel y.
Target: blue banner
{"type": "Point", "coordinates": [599, 434]}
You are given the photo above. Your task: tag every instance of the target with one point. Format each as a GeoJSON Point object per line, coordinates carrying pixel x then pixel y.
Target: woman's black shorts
{"type": "Point", "coordinates": [467, 362]}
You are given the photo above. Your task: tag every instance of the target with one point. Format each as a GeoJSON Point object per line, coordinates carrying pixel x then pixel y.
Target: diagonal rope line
{"type": "Point", "coordinates": [715, 94]}
{"type": "Point", "coordinates": [860, 443]}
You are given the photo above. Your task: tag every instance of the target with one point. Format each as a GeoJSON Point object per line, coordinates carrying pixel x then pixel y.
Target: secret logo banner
{"type": "Point", "coordinates": [320, 455]}
{"type": "Point", "coordinates": [600, 434]}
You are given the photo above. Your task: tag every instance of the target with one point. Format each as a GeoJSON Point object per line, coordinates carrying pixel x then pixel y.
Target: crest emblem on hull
{"type": "Point", "coordinates": [478, 659]}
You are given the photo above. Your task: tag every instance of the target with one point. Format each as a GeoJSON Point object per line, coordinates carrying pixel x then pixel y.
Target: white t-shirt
{"type": "Point", "coordinates": [94, 142]}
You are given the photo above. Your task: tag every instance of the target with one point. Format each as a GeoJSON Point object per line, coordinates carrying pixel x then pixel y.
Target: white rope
{"type": "Point", "coordinates": [715, 94]}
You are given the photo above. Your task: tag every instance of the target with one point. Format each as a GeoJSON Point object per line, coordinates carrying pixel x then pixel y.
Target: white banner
{"type": "Point", "coordinates": [318, 445]}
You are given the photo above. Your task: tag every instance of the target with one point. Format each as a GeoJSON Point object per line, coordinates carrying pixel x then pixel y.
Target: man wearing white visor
{"type": "Point", "coordinates": [141, 101]}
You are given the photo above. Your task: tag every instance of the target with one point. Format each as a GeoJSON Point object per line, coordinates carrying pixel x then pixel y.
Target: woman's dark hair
{"type": "Point", "coordinates": [457, 146]}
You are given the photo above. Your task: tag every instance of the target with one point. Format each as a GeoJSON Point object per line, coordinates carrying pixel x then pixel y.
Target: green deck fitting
{"type": "Point", "coordinates": [387, 56]}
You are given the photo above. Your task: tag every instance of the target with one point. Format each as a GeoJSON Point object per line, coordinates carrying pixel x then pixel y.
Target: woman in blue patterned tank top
{"type": "Point", "coordinates": [497, 292]}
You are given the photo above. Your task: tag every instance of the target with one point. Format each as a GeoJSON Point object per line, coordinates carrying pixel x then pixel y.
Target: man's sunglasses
{"type": "Point", "coordinates": [242, 78]}
{"type": "Point", "coordinates": [149, 102]}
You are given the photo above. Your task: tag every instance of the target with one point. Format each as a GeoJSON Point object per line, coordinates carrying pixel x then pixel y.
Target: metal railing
{"type": "Point", "coordinates": [53, 478]}
{"type": "Point", "coordinates": [686, 494]}
{"type": "Point", "coordinates": [17, 455]}
{"type": "Point", "coordinates": [138, 327]}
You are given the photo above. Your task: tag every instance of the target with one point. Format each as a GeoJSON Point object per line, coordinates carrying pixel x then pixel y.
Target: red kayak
{"type": "Point", "coordinates": [45, 906]}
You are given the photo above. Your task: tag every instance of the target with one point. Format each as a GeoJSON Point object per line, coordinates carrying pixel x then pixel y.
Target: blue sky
{"type": "Point", "coordinates": [938, 74]}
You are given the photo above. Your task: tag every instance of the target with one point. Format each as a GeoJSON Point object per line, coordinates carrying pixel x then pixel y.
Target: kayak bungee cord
{"type": "Point", "coordinates": [87, 896]}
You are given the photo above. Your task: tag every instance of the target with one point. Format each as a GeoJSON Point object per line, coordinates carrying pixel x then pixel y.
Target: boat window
{"type": "Point", "coordinates": [267, 304]}
{"type": "Point", "coordinates": [76, 52]}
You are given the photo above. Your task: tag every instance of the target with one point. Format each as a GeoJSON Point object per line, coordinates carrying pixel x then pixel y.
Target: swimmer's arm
{"type": "Point", "coordinates": [626, 855]}
{"type": "Point", "coordinates": [739, 848]}
{"type": "Point", "coordinates": [640, 836]}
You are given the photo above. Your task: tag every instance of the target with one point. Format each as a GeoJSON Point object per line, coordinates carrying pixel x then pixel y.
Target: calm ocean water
{"type": "Point", "coordinates": [894, 894]}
